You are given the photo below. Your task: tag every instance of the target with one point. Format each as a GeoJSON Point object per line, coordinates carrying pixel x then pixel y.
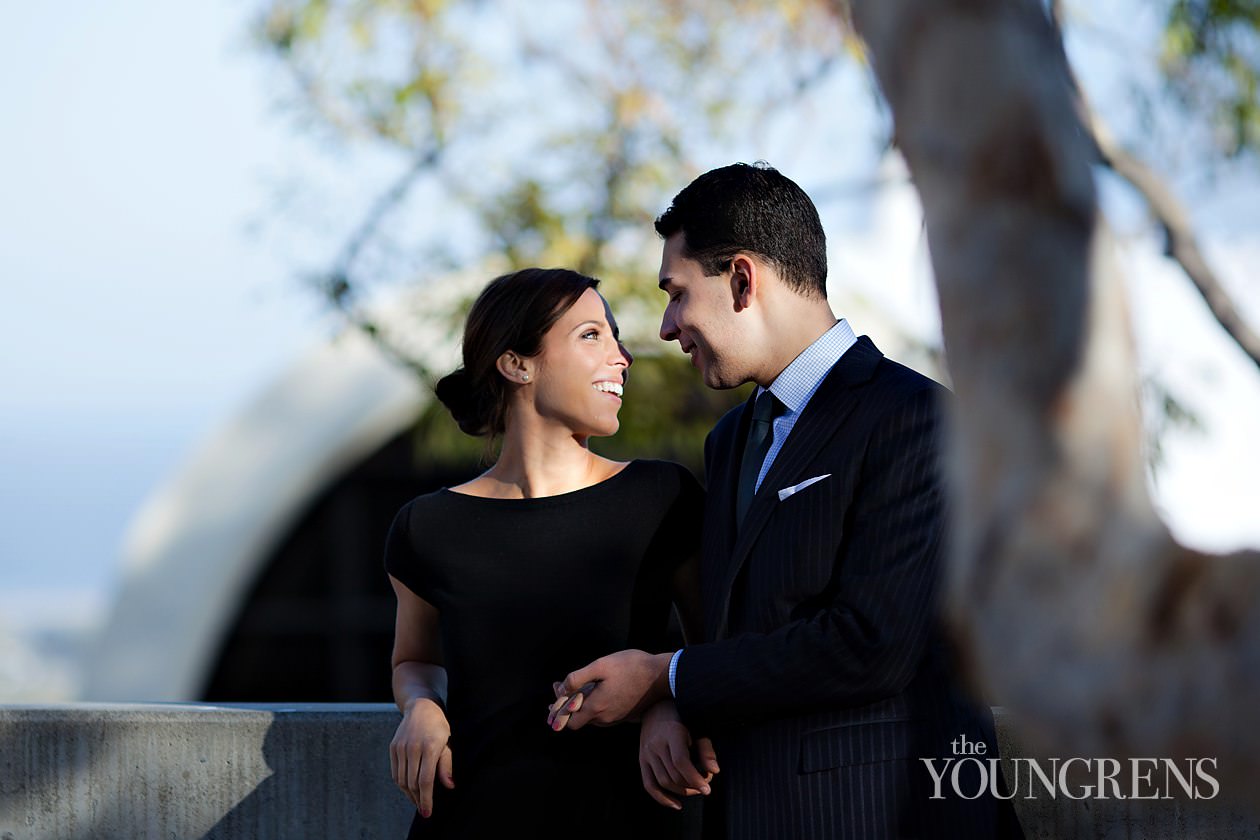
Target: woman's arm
{"type": "Point", "coordinates": [686, 592]}
{"type": "Point", "coordinates": [420, 750]}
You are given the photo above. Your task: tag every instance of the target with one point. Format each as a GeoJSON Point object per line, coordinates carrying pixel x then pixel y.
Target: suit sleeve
{"type": "Point", "coordinates": [867, 639]}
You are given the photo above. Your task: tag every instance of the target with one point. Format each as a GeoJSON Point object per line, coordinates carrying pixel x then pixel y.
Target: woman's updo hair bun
{"type": "Point", "coordinates": [456, 392]}
{"type": "Point", "coordinates": [513, 312]}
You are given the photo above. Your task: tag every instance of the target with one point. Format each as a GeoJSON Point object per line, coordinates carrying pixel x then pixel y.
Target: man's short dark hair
{"type": "Point", "coordinates": [756, 209]}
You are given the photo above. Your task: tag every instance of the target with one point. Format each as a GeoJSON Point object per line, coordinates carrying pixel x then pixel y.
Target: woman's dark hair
{"type": "Point", "coordinates": [512, 313]}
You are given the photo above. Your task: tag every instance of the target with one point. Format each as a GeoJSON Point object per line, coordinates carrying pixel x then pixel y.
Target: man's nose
{"type": "Point", "coordinates": [669, 330]}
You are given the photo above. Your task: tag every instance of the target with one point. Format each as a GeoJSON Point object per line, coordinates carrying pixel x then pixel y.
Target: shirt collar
{"type": "Point", "coordinates": [800, 379]}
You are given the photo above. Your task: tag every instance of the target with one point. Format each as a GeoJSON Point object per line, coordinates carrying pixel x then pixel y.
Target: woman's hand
{"type": "Point", "coordinates": [420, 751]}
{"type": "Point", "coordinates": [665, 764]}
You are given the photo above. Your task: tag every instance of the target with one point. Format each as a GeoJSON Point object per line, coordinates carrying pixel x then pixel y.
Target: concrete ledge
{"type": "Point", "coordinates": [105, 771]}
{"type": "Point", "coordinates": [262, 772]}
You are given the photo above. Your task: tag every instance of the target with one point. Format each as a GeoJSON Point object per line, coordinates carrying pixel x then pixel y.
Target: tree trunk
{"type": "Point", "coordinates": [1070, 602]}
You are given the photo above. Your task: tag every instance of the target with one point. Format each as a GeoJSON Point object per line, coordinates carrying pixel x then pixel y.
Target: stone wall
{"type": "Point", "coordinates": [169, 772]}
{"type": "Point", "coordinates": [264, 772]}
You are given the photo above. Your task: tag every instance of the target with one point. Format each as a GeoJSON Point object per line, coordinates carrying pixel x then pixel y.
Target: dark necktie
{"type": "Point", "coordinates": [760, 436]}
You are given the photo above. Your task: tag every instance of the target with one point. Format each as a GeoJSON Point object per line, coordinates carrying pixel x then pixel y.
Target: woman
{"type": "Point", "coordinates": [552, 557]}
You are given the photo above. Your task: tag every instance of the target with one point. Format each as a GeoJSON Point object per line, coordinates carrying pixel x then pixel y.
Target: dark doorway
{"type": "Point", "coordinates": [318, 624]}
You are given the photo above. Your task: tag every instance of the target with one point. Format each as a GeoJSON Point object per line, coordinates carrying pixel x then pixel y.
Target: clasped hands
{"type": "Point", "coordinates": [624, 686]}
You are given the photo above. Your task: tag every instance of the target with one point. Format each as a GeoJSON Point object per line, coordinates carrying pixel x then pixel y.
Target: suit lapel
{"type": "Point", "coordinates": [823, 416]}
{"type": "Point", "coordinates": [719, 528]}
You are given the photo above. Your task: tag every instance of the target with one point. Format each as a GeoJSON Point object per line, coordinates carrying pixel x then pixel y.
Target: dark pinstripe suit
{"type": "Point", "coordinates": [822, 678]}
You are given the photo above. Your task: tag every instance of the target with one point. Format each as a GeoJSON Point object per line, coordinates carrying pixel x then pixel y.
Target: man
{"type": "Point", "coordinates": [822, 679]}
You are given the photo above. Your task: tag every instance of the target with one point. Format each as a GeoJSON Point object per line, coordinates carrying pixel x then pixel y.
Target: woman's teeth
{"type": "Point", "coordinates": [608, 388]}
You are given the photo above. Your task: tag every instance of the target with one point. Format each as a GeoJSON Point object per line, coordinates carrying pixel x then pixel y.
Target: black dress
{"type": "Point", "coordinates": [529, 590]}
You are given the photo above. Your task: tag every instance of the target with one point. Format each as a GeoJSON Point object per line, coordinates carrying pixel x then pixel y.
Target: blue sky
{"type": "Point", "coordinates": [138, 309]}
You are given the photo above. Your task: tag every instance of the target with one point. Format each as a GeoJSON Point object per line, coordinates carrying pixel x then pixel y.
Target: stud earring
{"type": "Point", "coordinates": [524, 377]}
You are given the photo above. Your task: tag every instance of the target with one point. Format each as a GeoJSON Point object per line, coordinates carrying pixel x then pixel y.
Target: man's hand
{"type": "Point", "coordinates": [625, 683]}
{"type": "Point", "coordinates": [665, 748]}
{"type": "Point", "coordinates": [419, 753]}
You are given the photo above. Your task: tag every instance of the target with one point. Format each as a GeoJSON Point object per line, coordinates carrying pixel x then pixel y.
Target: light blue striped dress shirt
{"type": "Point", "coordinates": [794, 387]}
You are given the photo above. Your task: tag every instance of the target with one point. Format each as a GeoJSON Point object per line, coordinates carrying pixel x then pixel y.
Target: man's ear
{"type": "Point", "coordinates": [514, 368]}
{"type": "Point", "coordinates": [745, 278]}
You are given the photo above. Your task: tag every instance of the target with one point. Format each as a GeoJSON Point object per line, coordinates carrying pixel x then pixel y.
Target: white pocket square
{"type": "Point", "coordinates": [796, 488]}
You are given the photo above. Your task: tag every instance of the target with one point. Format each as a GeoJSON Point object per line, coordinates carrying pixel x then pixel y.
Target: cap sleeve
{"type": "Point", "coordinates": [401, 559]}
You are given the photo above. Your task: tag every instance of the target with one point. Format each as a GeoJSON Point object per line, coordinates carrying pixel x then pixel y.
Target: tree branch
{"type": "Point", "coordinates": [1183, 245]}
{"type": "Point", "coordinates": [338, 285]}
